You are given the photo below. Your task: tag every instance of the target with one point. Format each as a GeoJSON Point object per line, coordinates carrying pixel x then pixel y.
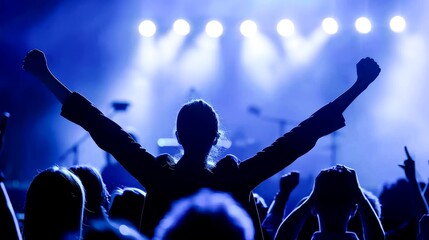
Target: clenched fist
{"type": "Point", "coordinates": [35, 63]}
{"type": "Point", "coordinates": [367, 71]}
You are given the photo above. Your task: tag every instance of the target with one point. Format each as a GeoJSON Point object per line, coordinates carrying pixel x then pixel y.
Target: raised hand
{"type": "Point", "coordinates": [289, 181]}
{"type": "Point", "coordinates": [35, 63]}
{"type": "Point", "coordinates": [409, 167]}
{"type": "Point", "coordinates": [367, 71]}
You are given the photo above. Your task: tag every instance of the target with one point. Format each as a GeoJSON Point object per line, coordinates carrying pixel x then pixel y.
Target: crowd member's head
{"type": "Point", "coordinates": [206, 215]}
{"type": "Point", "coordinates": [197, 127]}
{"type": "Point", "coordinates": [54, 205]}
{"type": "Point", "coordinates": [336, 201]}
{"type": "Point", "coordinates": [112, 230]}
{"type": "Point", "coordinates": [397, 204]}
{"type": "Point", "coordinates": [127, 204]}
{"type": "Point", "coordinates": [97, 196]}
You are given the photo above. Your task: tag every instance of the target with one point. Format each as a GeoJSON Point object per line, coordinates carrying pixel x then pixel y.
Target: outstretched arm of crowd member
{"type": "Point", "coordinates": [371, 225]}
{"type": "Point", "coordinates": [276, 211]}
{"type": "Point", "coordinates": [291, 226]}
{"type": "Point", "coordinates": [409, 168]}
{"type": "Point", "coordinates": [36, 64]}
{"type": "Point", "coordinates": [108, 135]}
{"type": "Point", "coordinates": [367, 71]}
{"type": "Point", "coordinates": [301, 139]}
{"type": "Point", "coordinates": [9, 225]}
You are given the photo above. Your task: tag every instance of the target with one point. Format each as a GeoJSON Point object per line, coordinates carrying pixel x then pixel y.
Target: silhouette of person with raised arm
{"type": "Point", "coordinates": [335, 198]}
{"type": "Point", "coordinates": [403, 203]}
{"type": "Point", "coordinates": [311, 224]}
{"type": "Point", "coordinates": [276, 211]}
{"type": "Point", "coordinates": [409, 167]}
{"type": "Point", "coordinates": [166, 180]}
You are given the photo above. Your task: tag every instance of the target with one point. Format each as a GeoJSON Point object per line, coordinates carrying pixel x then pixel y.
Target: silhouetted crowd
{"type": "Point", "coordinates": [201, 196]}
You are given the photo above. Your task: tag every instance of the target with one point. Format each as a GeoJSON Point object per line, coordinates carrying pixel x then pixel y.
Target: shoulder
{"type": "Point", "coordinates": [166, 161]}
{"type": "Point", "coordinates": [228, 163]}
{"type": "Point", "coordinates": [334, 236]}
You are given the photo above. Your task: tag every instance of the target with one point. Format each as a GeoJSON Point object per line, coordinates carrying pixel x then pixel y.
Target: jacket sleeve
{"type": "Point", "coordinates": [292, 145]}
{"type": "Point", "coordinates": [110, 137]}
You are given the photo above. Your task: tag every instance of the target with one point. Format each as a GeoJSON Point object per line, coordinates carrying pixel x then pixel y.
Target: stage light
{"type": "Point", "coordinates": [147, 28]}
{"type": "Point", "coordinates": [214, 29]}
{"type": "Point", "coordinates": [330, 25]}
{"type": "Point", "coordinates": [397, 24]}
{"type": "Point", "coordinates": [363, 25]}
{"type": "Point", "coordinates": [248, 28]}
{"type": "Point", "coordinates": [181, 27]}
{"type": "Point", "coordinates": [285, 28]}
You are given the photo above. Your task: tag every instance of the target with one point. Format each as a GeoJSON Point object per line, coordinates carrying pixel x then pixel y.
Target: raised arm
{"type": "Point", "coordinates": [36, 64]}
{"type": "Point", "coordinates": [276, 211]}
{"type": "Point", "coordinates": [371, 225]}
{"type": "Point", "coordinates": [108, 135]}
{"type": "Point", "coordinates": [301, 139]}
{"type": "Point", "coordinates": [291, 226]}
{"type": "Point", "coordinates": [421, 206]}
{"type": "Point", "coordinates": [367, 71]}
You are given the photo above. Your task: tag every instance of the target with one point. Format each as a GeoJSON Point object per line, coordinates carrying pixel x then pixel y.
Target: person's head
{"type": "Point", "coordinates": [54, 205]}
{"type": "Point", "coordinates": [206, 215]}
{"type": "Point", "coordinates": [197, 126]}
{"type": "Point", "coordinates": [127, 204]}
{"type": "Point", "coordinates": [336, 201]}
{"type": "Point", "coordinates": [113, 230]}
{"type": "Point", "coordinates": [354, 225]}
{"type": "Point", "coordinates": [397, 204]}
{"type": "Point", "coordinates": [97, 196]}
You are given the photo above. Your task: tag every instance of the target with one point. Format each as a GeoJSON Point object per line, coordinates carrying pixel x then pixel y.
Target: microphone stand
{"type": "Point", "coordinates": [334, 147]}
{"type": "Point", "coordinates": [282, 122]}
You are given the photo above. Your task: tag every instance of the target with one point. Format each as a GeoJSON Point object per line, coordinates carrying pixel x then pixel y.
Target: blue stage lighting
{"type": "Point", "coordinates": [181, 27]}
{"type": "Point", "coordinates": [147, 28]}
{"type": "Point", "coordinates": [214, 29]}
{"type": "Point", "coordinates": [363, 25]}
{"type": "Point", "coordinates": [248, 28]}
{"type": "Point", "coordinates": [330, 25]}
{"type": "Point", "coordinates": [398, 24]}
{"type": "Point", "coordinates": [285, 28]}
